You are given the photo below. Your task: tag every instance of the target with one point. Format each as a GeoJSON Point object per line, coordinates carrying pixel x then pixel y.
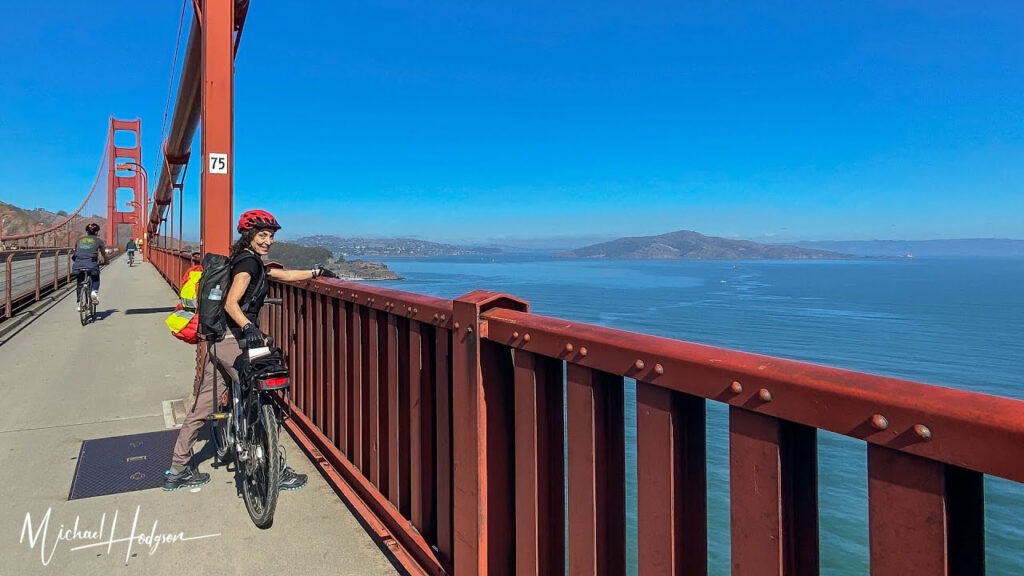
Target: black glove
{"type": "Point", "coordinates": [252, 337]}
{"type": "Point", "coordinates": [320, 271]}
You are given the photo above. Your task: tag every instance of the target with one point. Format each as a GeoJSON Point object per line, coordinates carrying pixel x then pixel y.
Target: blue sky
{"type": "Point", "coordinates": [467, 121]}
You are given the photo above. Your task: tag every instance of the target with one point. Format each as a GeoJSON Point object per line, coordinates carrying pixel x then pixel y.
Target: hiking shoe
{"type": "Point", "coordinates": [78, 307]}
{"type": "Point", "coordinates": [292, 480]}
{"type": "Point", "coordinates": [187, 478]}
{"type": "Point", "coordinates": [95, 297]}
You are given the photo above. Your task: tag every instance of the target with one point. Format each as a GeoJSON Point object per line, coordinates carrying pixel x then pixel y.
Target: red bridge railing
{"type": "Point", "coordinates": [445, 424]}
{"type": "Point", "coordinates": [172, 264]}
{"type": "Point", "coordinates": [27, 276]}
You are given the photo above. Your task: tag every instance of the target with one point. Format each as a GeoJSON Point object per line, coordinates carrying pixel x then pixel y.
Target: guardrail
{"type": "Point", "coordinates": [446, 424]}
{"type": "Point", "coordinates": [28, 275]}
{"type": "Point", "coordinates": [172, 263]}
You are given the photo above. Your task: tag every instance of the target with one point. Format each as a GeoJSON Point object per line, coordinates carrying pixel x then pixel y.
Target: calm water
{"type": "Point", "coordinates": [955, 323]}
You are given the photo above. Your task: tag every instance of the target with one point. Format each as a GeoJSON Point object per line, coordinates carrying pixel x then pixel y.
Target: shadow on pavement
{"type": "Point", "coordinates": [102, 314]}
{"type": "Point", "coordinates": [158, 310]}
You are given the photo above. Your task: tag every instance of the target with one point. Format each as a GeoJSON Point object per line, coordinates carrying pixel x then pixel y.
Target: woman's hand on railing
{"type": "Point", "coordinates": [321, 272]}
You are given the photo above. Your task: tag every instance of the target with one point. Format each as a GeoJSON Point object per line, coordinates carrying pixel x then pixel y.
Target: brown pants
{"type": "Point", "coordinates": [227, 350]}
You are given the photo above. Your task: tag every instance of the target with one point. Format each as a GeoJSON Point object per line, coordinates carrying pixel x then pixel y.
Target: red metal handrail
{"type": "Point", "coordinates": [40, 286]}
{"type": "Point", "coordinates": [436, 418]}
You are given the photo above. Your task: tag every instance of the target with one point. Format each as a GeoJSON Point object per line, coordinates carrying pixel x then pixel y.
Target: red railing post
{"type": "Point", "coordinates": [484, 513]}
{"type": "Point", "coordinates": [9, 285]}
{"type": "Point", "coordinates": [56, 268]}
{"type": "Point", "coordinates": [671, 482]}
{"type": "Point", "coordinates": [39, 256]}
{"type": "Point", "coordinates": [926, 517]}
{"type": "Point", "coordinates": [596, 440]}
{"type": "Point", "coordinates": [774, 494]}
{"type": "Point", "coordinates": [540, 465]}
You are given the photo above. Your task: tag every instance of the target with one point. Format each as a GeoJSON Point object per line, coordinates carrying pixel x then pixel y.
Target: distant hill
{"type": "Point", "coordinates": [963, 248]}
{"type": "Point", "coordinates": [388, 247]}
{"type": "Point", "coordinates": [24, 221]}
{"type": "Point", "coordinates": [688, 245]}
{"type": "Point", "coordinates": [297, 256]}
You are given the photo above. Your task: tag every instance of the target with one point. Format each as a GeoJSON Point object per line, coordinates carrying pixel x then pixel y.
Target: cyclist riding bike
{"type": "Point", "coordinates": [90, 251]}
{"type": "Point", "coordinates": [245, 296]}
{"type": "Point", "coordinates": [129, 249]}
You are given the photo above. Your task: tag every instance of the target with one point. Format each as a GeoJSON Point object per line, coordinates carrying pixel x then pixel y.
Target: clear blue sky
{"type": "Point", "coordinates": [473, 120]}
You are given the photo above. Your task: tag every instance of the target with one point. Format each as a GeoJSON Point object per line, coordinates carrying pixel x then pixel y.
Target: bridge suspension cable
{"type": "Point", "coordinates": [36, 237]}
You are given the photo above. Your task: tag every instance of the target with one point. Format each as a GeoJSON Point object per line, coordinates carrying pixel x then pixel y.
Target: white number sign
{"type": "Point", "coordinates": [218, 163]}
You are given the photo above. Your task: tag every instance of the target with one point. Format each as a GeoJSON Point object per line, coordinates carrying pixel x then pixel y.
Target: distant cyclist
{"type": "Point", "coordinates": [129, 249]}
{"type": "Point", "coordinates": [245, 297]}
{"type": "Point", "coordinates": [90, 252]}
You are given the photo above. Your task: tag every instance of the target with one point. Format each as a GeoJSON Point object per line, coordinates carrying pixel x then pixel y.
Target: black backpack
{"type": "Point", "coordinates": [213, 288]}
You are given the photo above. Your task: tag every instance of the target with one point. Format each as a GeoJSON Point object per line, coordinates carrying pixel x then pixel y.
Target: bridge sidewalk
{"type": "Point", "coordinates": [62, 383]}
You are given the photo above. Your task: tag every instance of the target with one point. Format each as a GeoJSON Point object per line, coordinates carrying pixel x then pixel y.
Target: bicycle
{"type": "Point", "coordinates": [86, 307]}
{"type": "Point", "coordinates": [131, 258]}
{"type": "Point", "coordinates": [246, 430]}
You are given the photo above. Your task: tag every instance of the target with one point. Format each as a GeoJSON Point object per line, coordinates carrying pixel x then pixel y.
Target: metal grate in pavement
{"type": "Point", "coordinates": [122, 464]}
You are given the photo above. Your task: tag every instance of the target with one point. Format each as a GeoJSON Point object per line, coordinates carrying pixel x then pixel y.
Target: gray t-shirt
{"type": "Point", "coordinates": [87, 251]}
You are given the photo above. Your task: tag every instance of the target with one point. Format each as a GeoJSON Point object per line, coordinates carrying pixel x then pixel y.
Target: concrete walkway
{"type": "Point", "coordinates": [63, 383]}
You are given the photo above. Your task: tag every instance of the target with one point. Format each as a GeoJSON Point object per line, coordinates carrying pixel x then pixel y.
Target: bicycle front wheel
{"type": "Point", "coordinates": [262, 481]}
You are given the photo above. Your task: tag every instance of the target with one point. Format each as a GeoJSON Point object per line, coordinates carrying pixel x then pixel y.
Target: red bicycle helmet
{"type": "Point", "coordinates": [254, 219]}
{"type": "Point", "coordinates": [92, 227]}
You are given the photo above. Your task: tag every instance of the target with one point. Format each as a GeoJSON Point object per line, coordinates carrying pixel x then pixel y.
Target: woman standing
{"type": "Point", "coordinates": [247, 291]}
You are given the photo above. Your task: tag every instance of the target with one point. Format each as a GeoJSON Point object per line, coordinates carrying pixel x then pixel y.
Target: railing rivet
{"type": "Point", "coordinates": [443, 317]}
{"type": "Point", "coordinates": [764, 395]}
{"type": "Point", "coordinates": [457, 325]}
{"type": "Point", "coordinates": [736, 387]}
{"type": "Point", "coordinates": [583, 351]}
{"type": "Point", "coordinates": [469, 328]}
{"type": "Point", "coordinates": [922, 431]}
{"type": "Point", "coordinates": [436, 317]}
{"type": "Point", "coordinates": [879, 422]}
{"type": "Point", "coordinates": [526, 337]}
{"type": "Point", "coordinates": [639, 364]}
{"type": "Point", "coordinates": [659, 369]}
{"type": "Point", "coordinates": [515, 334]}
{"type": "Point", "coordinates": [415, 311]}
{"type": "Point", "coordinates": [568, 347]}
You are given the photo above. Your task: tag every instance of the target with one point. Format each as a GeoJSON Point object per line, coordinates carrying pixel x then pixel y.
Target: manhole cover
{"type": "Point", "coordinates": [122, 464]}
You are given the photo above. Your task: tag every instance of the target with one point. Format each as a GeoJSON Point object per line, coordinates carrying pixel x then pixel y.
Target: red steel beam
{"type": "Point", "coordinates": [216, 180]}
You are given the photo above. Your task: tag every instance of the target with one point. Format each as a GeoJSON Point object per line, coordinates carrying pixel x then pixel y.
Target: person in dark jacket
{"type": "Point", "coordinates": [90, 252]}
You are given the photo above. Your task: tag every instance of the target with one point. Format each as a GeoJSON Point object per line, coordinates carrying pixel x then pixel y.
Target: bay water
{"type": "Point", "coordinates": [956, 323]}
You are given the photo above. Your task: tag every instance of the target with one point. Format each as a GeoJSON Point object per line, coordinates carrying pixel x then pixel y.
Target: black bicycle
{"type": "Point", "coordinates": [246, 430]}
{"type": "Point", "coordinates": [131, 258]}
{"type": "Point", "coordinates": [86, 306]}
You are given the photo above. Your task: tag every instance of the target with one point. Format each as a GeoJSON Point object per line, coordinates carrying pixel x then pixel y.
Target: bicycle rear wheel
{"type": "Point", "coordinates": [84, 302]}
{"type": "Point", "coordinates": [262, 470]}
